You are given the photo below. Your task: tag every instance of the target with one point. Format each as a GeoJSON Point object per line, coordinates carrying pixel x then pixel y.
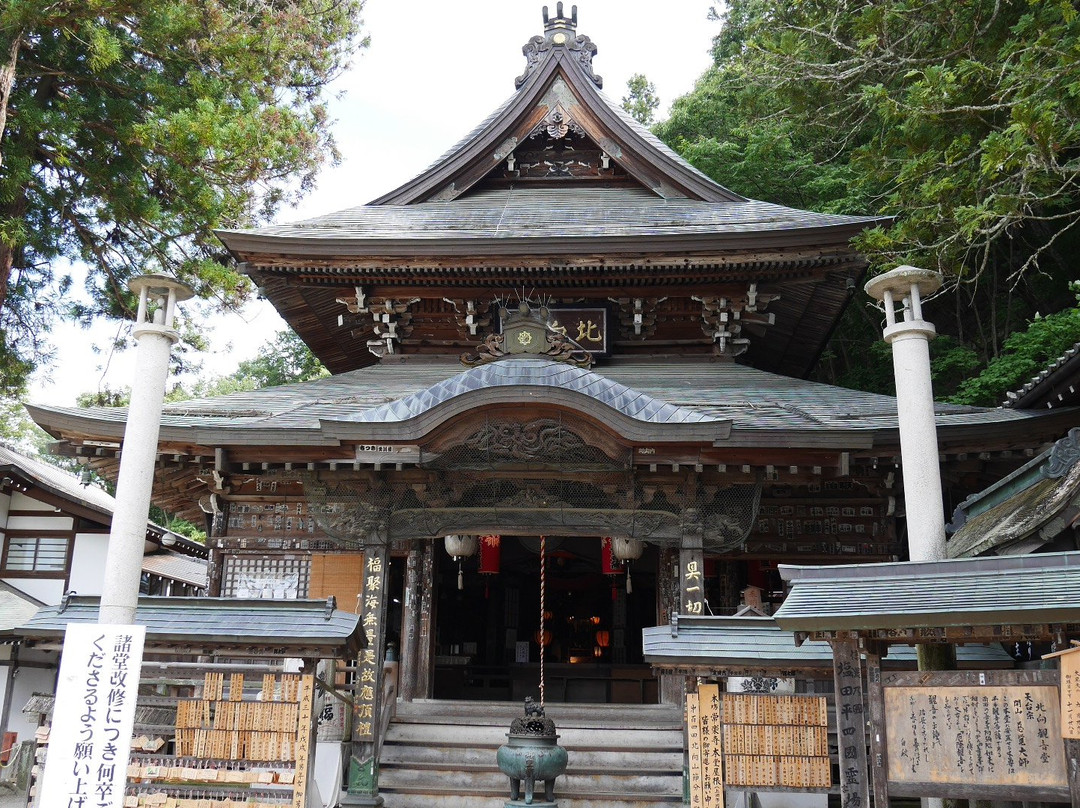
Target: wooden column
{"type": "Point", "coordinates": [879, 770]}
{"type": "Point", "coordinates": [363, 772]}
{"type": "Point", "coordinates": [668, 591]}
{"type": "Point", "coordinates": [218, 528]}
{"type": "Point", "coordinates": [425, 657]}
{"type": "Point", "coordinates": [692, 576]}
{"type": "Point", "coordinates": [850, 723]}
{"type": "Point", "coordinates": [410, 629]}
{"type": "Point", "coordinates": [1072, 769]}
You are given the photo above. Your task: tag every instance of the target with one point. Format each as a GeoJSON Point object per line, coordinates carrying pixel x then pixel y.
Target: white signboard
{"type": "Point", "coordinates": [93, 718]}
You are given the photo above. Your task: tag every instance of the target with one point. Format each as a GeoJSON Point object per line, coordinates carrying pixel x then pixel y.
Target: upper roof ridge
{"type": "Point", "coordinates": [559, 32]}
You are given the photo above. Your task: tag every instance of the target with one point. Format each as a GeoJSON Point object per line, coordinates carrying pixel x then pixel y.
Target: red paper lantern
{"type": "Point", "coordinates": [609, 565]}
{"type": "Point", "coordinates": [490, 555]}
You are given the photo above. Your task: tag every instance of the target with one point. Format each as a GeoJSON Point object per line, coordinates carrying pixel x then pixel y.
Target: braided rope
{"type": "Point", "coordinates": [543, 590]}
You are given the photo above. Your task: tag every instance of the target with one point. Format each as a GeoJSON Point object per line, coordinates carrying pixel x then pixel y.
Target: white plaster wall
{"type": "Point", "coordinates": [88, 563]}
{"type": "Point", "coordinates": [47, 590]}
{"type": "Point", "coordinates": [5, 505]}
{"type": "Point", "coordinates": [22, 502]}
{"type": "Point", "coordinates": [27, 682]}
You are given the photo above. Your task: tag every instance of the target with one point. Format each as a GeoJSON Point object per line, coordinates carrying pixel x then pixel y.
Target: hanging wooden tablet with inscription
{"type": "Point", "coordinates": [1070, 694]}
{"type": "Point", "coordinates": [776, 741]}
{"type": "Point", "coordinates": [1003, 736]}
{"type": "Point", "coordinates": [712, 762]}
{"type": "Point", "coordinates": [693, 745]}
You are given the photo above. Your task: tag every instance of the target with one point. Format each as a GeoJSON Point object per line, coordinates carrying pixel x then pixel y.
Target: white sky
{"type": "Point", "coordinates": [433, 71]}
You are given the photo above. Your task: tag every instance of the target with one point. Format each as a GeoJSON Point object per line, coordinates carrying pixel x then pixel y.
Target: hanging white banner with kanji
{"type": "Point", "coordinates": [93, 718]}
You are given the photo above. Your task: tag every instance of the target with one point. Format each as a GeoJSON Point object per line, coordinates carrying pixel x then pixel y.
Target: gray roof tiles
{"type": "Point", "coordinates": [59, 481]}
{"type": "Point", "coordinates": [997, 590]}
{"type": "Point", "coordinates": [224, 622]}
{"type": "Point", "coordinates": [758, 641]}
{"type": "Point", "coordinates": [176, 567]}
{"type": "Point", "coordinates": [752, 400]}
{"type": "Point", "coordinates": [553, 213]}
{"type": "Point", "coordinates": [535, 373]}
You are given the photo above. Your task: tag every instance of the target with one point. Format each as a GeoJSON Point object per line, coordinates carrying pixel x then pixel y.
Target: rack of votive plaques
{"type": "Point", "coordinates": [232, 747]}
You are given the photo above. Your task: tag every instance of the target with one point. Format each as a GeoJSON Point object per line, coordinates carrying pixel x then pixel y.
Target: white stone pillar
{"type": "Point", "coordinates": [910, 337]}
{"type": "Point", "coordinates": [155, 337]}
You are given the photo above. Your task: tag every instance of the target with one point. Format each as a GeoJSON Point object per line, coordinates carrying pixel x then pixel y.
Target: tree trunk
{"type": "Point", "coordinates": [7, 262]}
{"type": "Point", "coordinates": [7, 81]}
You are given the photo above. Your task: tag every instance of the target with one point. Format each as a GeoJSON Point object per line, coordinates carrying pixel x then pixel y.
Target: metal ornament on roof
{"type": "Point", "coordinates": [528, 331]}
{"type": "Point", "coordinates": [559, 31]}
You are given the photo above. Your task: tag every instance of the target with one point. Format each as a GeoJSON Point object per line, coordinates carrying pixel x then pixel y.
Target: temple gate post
{"type": "Point", "coordinates": [410, 633]}
{"type": "Point", "coordinates": [362, 777]}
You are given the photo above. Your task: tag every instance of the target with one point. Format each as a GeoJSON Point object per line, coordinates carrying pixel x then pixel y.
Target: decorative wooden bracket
{"type": "Point", "coordinates": [724, 318]}
{"type": "Point", "coordinates": [391, 319]}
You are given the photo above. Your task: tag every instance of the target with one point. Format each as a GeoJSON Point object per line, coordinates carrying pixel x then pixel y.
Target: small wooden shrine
{"type": "Point", "coordinates": [561, 329]}
{"type": "Point", "coordinates": [979, 735]}
{"type": "Point", "coordinates": [220, 717]}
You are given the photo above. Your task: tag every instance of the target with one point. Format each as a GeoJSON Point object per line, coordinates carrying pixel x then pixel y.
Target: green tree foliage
{"type": "Point", "coordinates": [1025, 354]}
{"type": "Point", "coordinates": [132, 129]}
{"type": "Point", "coordinates": [641, 101]}
{"type": "Point", "coordinates": [961, 120]}
{"type": "Point", "coordinates": [283, 360]}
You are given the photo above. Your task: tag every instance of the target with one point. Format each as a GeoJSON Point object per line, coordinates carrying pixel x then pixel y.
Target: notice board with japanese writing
{"type": "Point", "coordinates": [980, 735]}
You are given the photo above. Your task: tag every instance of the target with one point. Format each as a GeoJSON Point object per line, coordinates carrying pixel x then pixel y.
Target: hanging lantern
{"type": "Point", "coordinates": [603, 638]}
{"type": "Point", "coordinates": [627, 550]}
{"type": "Point", "coordinates": [542, 637]}
{"type": "Point", "coordinates": [609, 565]}
{"type": "Point", "coordinates": [490, 555]}
{"type": "Point", "coordinates": [461, 547]}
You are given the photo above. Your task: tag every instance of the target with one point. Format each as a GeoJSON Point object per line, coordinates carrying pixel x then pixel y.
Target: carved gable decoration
{"type": "Point", "coordinates": [559, 32]}
{"type": "Point", "coordinates": [528, 332]}
{"type": "Point", "coordinates": [556, 148]}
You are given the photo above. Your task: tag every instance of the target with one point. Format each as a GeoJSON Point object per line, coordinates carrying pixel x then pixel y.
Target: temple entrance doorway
{"type": "Point", "coordinates": [488, 633]}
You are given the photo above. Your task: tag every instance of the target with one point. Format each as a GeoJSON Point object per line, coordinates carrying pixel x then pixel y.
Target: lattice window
{"type": "Point", "coordinates": [266, 577]}
{"type": "Point", "coordinates": [36, 553]}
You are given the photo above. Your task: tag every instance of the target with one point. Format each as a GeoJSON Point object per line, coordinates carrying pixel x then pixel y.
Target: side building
{"type": "Point", "coordinates": [55, 534]}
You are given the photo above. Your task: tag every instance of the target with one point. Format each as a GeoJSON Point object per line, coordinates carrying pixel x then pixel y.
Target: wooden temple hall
{"type": "Point", "coordinates": [569, 402]}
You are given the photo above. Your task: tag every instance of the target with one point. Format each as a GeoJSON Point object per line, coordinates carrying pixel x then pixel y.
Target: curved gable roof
{"type": "Point", "coordinates": [543, 373]}
{"type": "Point", "coordinates": [559, 79]}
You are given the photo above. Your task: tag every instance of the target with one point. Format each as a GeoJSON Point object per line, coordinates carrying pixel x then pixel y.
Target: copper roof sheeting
{"type": "Point", "coordinates": [757, 404]}
{"type": "Point", "coordinates": [58, 481]}
{"type": "Point", "coordinates": [999, 590]}
{"type": "Point", "coordinates": [225, 623]}
{"type": "Point", "coordinates": [563, 216]}
{"type": "Point", "coordinates": [176, 568]}
{"type": "Point", "coordinates": [759, 642]}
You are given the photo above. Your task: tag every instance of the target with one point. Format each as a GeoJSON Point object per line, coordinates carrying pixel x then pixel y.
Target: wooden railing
{"type": "Point", "coordinates": [389, 704]}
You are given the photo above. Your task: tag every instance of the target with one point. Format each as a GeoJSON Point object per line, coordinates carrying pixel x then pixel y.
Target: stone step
{"type": "Point", "coordinates": [483, 758]}
{"type": "Point", "coordinates": [577, 785]}
{"type": "Point", "coordinates": [501, 713]}
{"type": "Point", "coordinates": [443, 754]}
{"type": "Point", "coordinates": [492, 737]}
{"type": "Point", "coordinates": [443, 799]}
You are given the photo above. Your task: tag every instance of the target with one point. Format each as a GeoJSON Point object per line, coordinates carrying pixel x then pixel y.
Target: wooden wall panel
{"type": "Point", "coordinates": [340, 575]}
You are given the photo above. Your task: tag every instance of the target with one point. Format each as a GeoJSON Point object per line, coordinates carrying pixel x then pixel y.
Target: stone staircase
{"type": "Point", "coordinates": [442, 753]}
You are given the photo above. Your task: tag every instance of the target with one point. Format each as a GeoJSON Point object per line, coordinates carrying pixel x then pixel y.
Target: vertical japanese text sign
{"type": "Point", "coordinates": [94, 716]}
{"type": "Point", "coordinates": [1070, 694]}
